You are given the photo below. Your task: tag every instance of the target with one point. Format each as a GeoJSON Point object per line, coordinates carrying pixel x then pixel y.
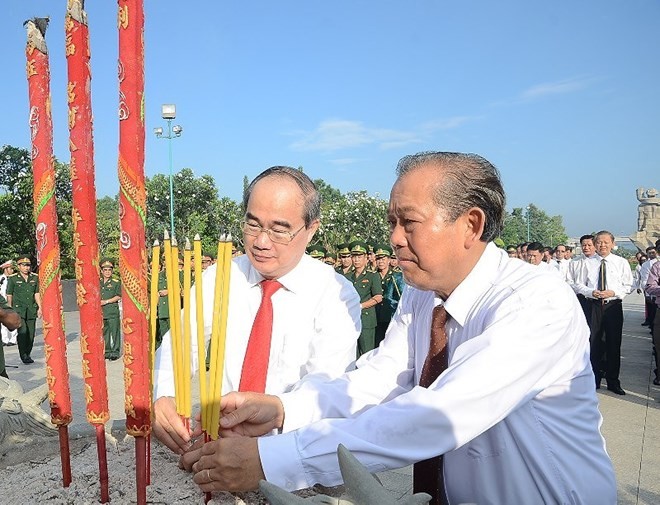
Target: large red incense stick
{"type": "Point", "coordinates": [132, 214]}
{"type": "Point", "coordinates": [88, 293]}
{"type": "Point", "coordinates": [48, 247]}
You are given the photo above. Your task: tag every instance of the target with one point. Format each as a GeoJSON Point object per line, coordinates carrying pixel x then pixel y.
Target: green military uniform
{"type": "Point", "coordinates": [3, 305]}
{"type": "Point", "coordinates": [22, 291]}
{"type": "Point", "coordinates": [367, 284]}
{"type": "Point", "coordinates": [111, 288]}
{"type": "Point", "coordinates": [162, 310]}
{"type": "Point", "coordinates": [344, 250]}
{"type": "Point", "coordinates": [316, 251]}
{"type": "Point", "coordinates": [392, 284]}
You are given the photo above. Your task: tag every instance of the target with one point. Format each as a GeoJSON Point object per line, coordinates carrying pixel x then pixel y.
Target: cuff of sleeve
{"type": "Point", "coordinates": [299, 409]}
{"type": "Point", "coordinates": [281, 462]}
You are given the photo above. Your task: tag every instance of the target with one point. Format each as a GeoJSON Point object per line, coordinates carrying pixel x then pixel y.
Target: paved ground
{"type": "Point", "coordinates": [631, 423]}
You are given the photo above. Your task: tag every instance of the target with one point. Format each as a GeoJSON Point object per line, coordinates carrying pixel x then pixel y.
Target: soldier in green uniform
{"type": "Point", "coordinates": [316, 251]}
{"type": "Point", "coordinates": [371, 257]}
{"type": "Point", "coordinates": [394, 264]}
{"type": "Point", "coordinates": [23, 296]}
{"type": "Point", "coordinates": [368, 286]}
{"type": "Point", "coordinates": [330, 259]}
{"type": "Point", "coordinates": [10, 318]}
{"type": "Point", "coordinates": [345, 267]}
{"type": "Point", "coordinates": [110, 296]}
{"type": "Point", "coordinates": [392, 284]}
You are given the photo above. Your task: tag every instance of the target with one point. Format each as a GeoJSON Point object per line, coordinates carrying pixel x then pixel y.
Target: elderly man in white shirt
{"type": "Point", "coordinates": [610, 281]}
{"type": "Point", "coordinates": [316, 312]}
{"type": "Point", "coordinates": [578, 272]}
{"type": "Point", "coordinates": [514, 412]}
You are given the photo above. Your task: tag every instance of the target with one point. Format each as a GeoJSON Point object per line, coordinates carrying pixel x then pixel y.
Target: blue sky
{"type": "Point", "coordinates": [563, 97]}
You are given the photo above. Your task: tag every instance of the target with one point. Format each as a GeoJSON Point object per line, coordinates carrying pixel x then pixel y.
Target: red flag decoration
{"type": "Point", "coordinates": [48, 246]}
{"type": "Point", "coordinates": [88, 293]}
{"type": "Point", "coordinates": [132, 215]}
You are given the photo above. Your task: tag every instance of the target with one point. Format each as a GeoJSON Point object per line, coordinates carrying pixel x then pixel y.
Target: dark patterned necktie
{"type": "Point", "coordinates": [602, 278]}
{"type": "Point", "coordinates": [427, 474]}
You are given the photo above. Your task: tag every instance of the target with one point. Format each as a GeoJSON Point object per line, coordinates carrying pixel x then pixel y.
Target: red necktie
{"type": "Point", "coordinates": [427, 474]}
{"type": "Point", "coordinates": [257, 354]}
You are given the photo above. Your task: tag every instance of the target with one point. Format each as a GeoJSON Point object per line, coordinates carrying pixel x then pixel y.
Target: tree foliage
{"type": "Point", "coordinates": [17, 226]}
{"type": "Point", "coordinates": [549, 230]}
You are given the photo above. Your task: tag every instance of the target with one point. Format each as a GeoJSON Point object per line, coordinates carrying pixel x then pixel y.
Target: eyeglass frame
{"type": "Point", "coordinates": [269, 232]}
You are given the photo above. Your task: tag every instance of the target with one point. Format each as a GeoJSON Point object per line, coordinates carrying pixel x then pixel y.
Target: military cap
{"type": "Point", "coordinates": [343, 249]}
{"type": "Point", "coordinates": [371, 247]}
{"type": "Point", "coordinates": [316, 251]}
{"type": "Point", "coordinates": [24, 258]}
{"type": "Point", "coordinates": [358, 247]}
{"type": "Point", "coordinates": [105, 262]}
{"type": "Point", "coordinates": [383, 250]}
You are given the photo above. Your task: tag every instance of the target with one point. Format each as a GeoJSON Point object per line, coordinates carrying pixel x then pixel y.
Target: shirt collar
{"type": "Point", "coordinates": [292, 281]}
{"type": "Point", "coordinates": [480, 278]}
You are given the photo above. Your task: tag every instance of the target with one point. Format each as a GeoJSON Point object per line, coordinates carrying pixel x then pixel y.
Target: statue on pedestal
{"type": "Point", "coordinates": [648, 218]}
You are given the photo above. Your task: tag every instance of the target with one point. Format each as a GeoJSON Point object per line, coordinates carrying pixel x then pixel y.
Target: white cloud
{"type": "Point", "coordinates": [337, 134]}
{"type": "Point", "coordinates": [554, 88]}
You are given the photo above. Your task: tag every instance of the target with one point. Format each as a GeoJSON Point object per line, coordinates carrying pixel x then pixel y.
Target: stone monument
{"type": "Point", "coordinates": [648, 218]}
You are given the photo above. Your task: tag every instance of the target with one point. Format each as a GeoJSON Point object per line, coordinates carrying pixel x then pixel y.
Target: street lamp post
{"type": "Point", "coordinates": [528, 214]}
{"type": "Point", "coordinates": [168, 112]}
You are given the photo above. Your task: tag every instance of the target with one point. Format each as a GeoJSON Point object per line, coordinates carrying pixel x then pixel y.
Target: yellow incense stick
{"type": "Point", "coordinates": [217, 340]}
{"type": "Point", "coordinates": [201, 344]}
{"type": "Point", "coordinates": [153, 307]}
{"type": "Point", "coordinates": [186, 330]}
{"type": "Point", "coordinates": [169, 276]}
{"type": "Point", "coordinates": [175, 320]}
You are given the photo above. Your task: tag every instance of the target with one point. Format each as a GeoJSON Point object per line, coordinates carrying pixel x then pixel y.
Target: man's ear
{"type": "Point", "coordinates": [311, 230]}
{"type": "Point", "coordinates": [475, 221]}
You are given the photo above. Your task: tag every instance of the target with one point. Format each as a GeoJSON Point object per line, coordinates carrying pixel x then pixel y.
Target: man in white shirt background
{"type": "Point", "coordinates": [562, 262]}
{"type": "Point", "coordinates": [315, 311]}
{"type": "Point", "coordinates": [610, 282]}
{"type": "Point", "coordinates": [652, 289]}
{"type": "Point", "coordinates": [515, 411]}
{"type": "Point", "coordinates": [652, 255]}
{"type": "Point", "coordinates": [578, 272]}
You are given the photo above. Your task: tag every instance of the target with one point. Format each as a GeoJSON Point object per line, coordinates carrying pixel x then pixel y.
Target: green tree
{"type": "Point", "coordinates": [549, 230]}
{"type": "Point", "coordinates": [107, 226]}
{"type": "Point", "coordinates": [17, 228]}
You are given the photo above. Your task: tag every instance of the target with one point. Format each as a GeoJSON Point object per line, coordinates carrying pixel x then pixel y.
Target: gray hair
{"type": "Point", "coordinates": [310, 194]}
{"type": "Point", "coordinates": [604, 232]}
{"type": "Point", "coordinates": [468, 181]}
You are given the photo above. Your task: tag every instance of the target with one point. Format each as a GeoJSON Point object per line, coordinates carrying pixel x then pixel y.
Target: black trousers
{"type": "Point", "coordinates": [585, 303]}
{"type": "Point", "coordinates": [605, 339]}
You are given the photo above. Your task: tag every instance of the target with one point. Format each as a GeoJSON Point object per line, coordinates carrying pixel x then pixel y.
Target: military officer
{"type": "Point", "coordinates": [394, 263]}
{"type": "Point", "coordinates": [392, 284]}
{"type": "Point", "coordinates": [345, 266]}
{"type": "Point", "coordinates": [11, 320]}
{"type": "Point", "coordinates": [371, 257]}
{"type": "Point", "coordinates": [369, 288]}
{"type": "Point", "coordinates": [110, 296]}
{"type": "Point", "coordinates": [316, 251]}
{"type": "Point", "coordinates": [23, 296]}
{"type": "Point", "coordinates": [330, 259]}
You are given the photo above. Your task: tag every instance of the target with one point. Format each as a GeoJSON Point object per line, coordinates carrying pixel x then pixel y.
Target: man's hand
{"type": "Point", "coordinates": [225, 464]}
{"type": "Point", "coordinates": [250, 414]}
{"type": "Point", "coordinates": [168, 426]}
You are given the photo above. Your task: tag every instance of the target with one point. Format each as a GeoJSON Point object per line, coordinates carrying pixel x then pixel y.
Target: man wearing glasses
{"type": "Point", "coordinates": [23, 296]}
{"type": "Point", "coordinates": [314, 312]}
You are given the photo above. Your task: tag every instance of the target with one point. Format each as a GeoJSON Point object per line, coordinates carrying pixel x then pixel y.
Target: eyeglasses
{"type": "Point", "coordinates": [106, 268]}
{"type": "Point", "coordinates": [276, 236]}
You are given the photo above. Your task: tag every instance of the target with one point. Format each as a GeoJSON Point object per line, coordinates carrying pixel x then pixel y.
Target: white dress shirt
{"type": "Point", "coordinates": [618, 276]}
{"type": "Point", "coordinates": [515, 414]}
{"type": "Point", "coordinates": [316, 323]}
{"type": "Point", "coordinates": [644, 270]}
{"type": "Point", "coordinates": [562, 268]}
{"type": "Point", "coordinates": [578, 271]}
